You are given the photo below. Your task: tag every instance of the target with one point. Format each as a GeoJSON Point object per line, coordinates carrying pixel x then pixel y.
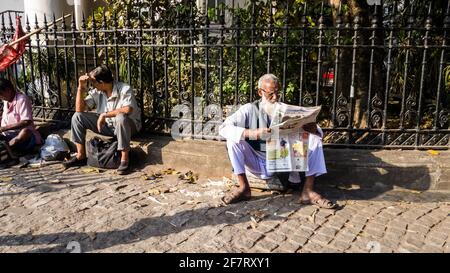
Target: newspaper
{"type": "Point", "coordinates": [287, 149]}
{"type": "Point", "coordinates": [291, 118]}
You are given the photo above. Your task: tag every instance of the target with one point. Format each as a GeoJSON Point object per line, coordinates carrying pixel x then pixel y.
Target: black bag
{"type": "Point", "coordinates": [103, 154]}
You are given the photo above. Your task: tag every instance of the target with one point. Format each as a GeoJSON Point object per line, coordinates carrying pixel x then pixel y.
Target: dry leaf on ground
{"type": "Point", "coordinates": [433, 152]}
{"type": "Point", "coordinates": [148, 177]}
{"type": "Point", "coordinates": [6, 179]}
{"type": "Point", "coordinates": [349, 187]}
{"type": "Point", "coordinates": [189, 177]}
{"type": "Point", "coordinates": [257, 215]}
{"type": "Point", "coordinates": [312, 217]}
{"type": "Point", "coordinates": [154, 192]}
{"type": "Point", "coordinates": [90, 170]}
{"type": "Point", "coordinates": [170, 171]}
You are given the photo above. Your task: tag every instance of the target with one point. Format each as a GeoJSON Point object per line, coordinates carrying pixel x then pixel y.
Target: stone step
{"type": "Point", "coordinates": [351, 168]}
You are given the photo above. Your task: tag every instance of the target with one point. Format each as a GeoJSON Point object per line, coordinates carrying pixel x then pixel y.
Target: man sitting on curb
{"type": "Point", "coordinates": [246, 131]}
{"type": "Point", "coordinates": [117, 113]}
{"type": "Point", "coordinates": [17, 126]}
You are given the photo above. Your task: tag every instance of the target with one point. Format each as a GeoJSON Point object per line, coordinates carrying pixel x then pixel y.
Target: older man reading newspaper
{"type": "Point", "coordinates": [246, 132]}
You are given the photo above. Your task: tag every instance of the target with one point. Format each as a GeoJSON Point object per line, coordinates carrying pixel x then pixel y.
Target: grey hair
{"type": "Point", "coordinates": [267, 77]}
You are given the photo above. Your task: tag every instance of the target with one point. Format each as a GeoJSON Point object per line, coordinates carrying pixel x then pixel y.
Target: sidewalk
{"type": "Point", "coordinates": [50, 210]}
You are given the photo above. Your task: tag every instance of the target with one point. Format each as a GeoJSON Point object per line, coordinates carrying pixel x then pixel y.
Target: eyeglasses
{"type": "Point", "coordinates": [269, 94]}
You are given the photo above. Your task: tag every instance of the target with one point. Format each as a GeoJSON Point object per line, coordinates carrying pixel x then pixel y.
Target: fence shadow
{"type": "Point", "coordinates": [146, 228]}
{"type": "Point", "coordinates": [364, 175]}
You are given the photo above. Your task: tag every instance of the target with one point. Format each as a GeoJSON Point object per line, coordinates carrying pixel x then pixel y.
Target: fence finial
{"type": "Point", "coordinates": [83, 21]}
{"type": "Point", "coordinates": [429, 20]}
{"type": "Point", "coordinates": [73, 24]}
{"type": "Point", "coordinates": [63, 24]}
{"type": "Point", "coordinates": [3, 24]}
{"type": "Point", "coordinates": [45, 22]}
{"type": "Point", "coordinates": [11, 27]}
{"type": "Point", "coordinates": [36, 25]}
{"type": "Point", "coordinates": [94, 25]}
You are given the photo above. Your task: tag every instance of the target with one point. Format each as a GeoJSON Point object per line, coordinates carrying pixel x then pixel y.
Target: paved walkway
{"type": "Point", "coordinates": [50, 210]}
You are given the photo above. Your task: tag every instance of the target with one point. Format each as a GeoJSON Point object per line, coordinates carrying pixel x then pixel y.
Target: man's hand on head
{"type": "Point", "coordinates": [83, 80]}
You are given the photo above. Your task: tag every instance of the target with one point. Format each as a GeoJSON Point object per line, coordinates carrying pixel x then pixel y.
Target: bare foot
{"type": "Point", "coordinates": [313, 198]}
{"type": "Point", "coordinates": [236, 195]}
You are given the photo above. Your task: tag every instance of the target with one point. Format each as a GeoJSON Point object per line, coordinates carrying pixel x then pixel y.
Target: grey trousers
{"type": "Point", "coordinates": [124, 128]}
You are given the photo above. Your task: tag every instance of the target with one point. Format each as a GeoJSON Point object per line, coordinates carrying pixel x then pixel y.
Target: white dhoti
{"type": "Point", "coordinates": [243, 157]}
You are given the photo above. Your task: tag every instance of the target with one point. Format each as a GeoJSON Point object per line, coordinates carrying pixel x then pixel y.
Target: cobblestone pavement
{"type": "Point", "coordinates": [50, 210]}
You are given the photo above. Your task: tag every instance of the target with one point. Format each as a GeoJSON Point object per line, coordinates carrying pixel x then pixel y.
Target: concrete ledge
{"type": "Point", "coordinates": [383, 169]}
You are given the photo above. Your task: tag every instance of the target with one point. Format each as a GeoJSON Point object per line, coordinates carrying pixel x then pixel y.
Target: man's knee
{"type": "Point", "coordinates": [26, 132]}
{"type": "Point", "coordinates": [77, 117]}
{"type": "Point", "coordinates": [121, 119]}
{"type": "Point", "coordinates": [231, 145]}
{"type": "Point", "coordinates": [237, 150]}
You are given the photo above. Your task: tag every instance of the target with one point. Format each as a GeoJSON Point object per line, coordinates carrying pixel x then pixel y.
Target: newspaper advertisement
{"type": "Point", "coordinates": [287, 149]}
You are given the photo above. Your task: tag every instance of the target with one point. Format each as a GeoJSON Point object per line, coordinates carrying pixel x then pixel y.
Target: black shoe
{"type": "Point", "coordinates": [75, 162]}
{"type": "Point", "coordinates": [123, 168]}
{"type": "Point", "coordinates": [11, 162]}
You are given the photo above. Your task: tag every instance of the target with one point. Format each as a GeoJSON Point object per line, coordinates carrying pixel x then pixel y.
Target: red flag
{"type": "Point", "coordinates": [10, 54]}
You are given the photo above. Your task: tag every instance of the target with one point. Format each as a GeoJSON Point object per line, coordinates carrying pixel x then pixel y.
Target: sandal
{"type": "Point", "coordinates": [320, 202]}
{"type": "Point", "coordinates": [234, 197]}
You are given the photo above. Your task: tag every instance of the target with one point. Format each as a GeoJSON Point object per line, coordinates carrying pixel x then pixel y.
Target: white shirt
{"type": "Point", "coordinates": [122, 95]}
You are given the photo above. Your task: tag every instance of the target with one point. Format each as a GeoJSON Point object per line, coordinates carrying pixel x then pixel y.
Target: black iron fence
{"type": "Point", "coordinates": [11, 14]}
{"type": "Point", "coordinates": [381, 73]}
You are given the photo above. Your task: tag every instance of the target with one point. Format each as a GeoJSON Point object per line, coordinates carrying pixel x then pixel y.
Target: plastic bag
{"type": "Point", "coordinates": [55, 148]}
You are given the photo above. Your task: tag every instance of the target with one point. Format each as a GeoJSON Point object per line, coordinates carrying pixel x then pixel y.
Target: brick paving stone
{"type": "Point", "coordinates": [292, 223]}
{"type": "Point", "coordinates": [321, 239]}
{"type": "Point", "coordinates": [418, 228]}
{"type": "Point", "coordinates": [336, 223]}
{"type": "Point", "coordinates": [245, 242]}
{"type": "Point", "coordinates": [415, 239]}
{"type": "Point", "coordinates": [288, 247]}
{"type": "Point", "coordinates": [341, 245]}
{"type": "Point", "coordinates": [309, 225]}
{"type": "Point", "coordinates": [431, 249]}
{"type": "Point", "coordinates": [399, 224]}
{"type": "Point", "coordinates": [320, 220]}
{"type": "Point", "coordinates": [447, 248]}
{"type": "Point", "coordinates": [394, 231]}
{"type": "Point", "coordinates": [111, 213]}
{"type": "Point", "coordinates": [433, 241]}
{"type": "Point", "coordinates": [345, 237]}
{"type": "Point", "coordinates": [285, 230]}
{"type": "Point", "coordinates": [374, 231]}
{"type": "Point", "coordinates": [266, 245]}
{"type": "Point", "coordinates": [304, 232]}
{"type": "Point", "coordinates": [275, 237]}
{"type": "Point", "coordinates": [407, 249]}
{"type": "Point", "coordinates": [344, 214]}
{"type": "Point", "coordinates": [311, 247]}
{"type": "Point", "coordinates": [391, 242]}
{"type": "Point", "coordinates": [300, 240]}
{"type": "Point", "coordinates": [438, 234]}
{"type": "Point", "coordinates": [327, 231]}
{"type": "Point", "coordinates": [264, 228]}
{"type": "Point", "coordinates": [269, 224]}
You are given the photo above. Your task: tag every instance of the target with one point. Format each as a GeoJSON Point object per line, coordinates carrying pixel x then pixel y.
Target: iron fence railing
{"type": "Point", "coordinates": [382, 77]}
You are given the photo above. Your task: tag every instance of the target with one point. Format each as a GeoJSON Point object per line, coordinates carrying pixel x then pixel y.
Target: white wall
{"type": "Point", "coordinates": [11, 5]}
{"type": "Point", "coordinates": [47, 7]}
